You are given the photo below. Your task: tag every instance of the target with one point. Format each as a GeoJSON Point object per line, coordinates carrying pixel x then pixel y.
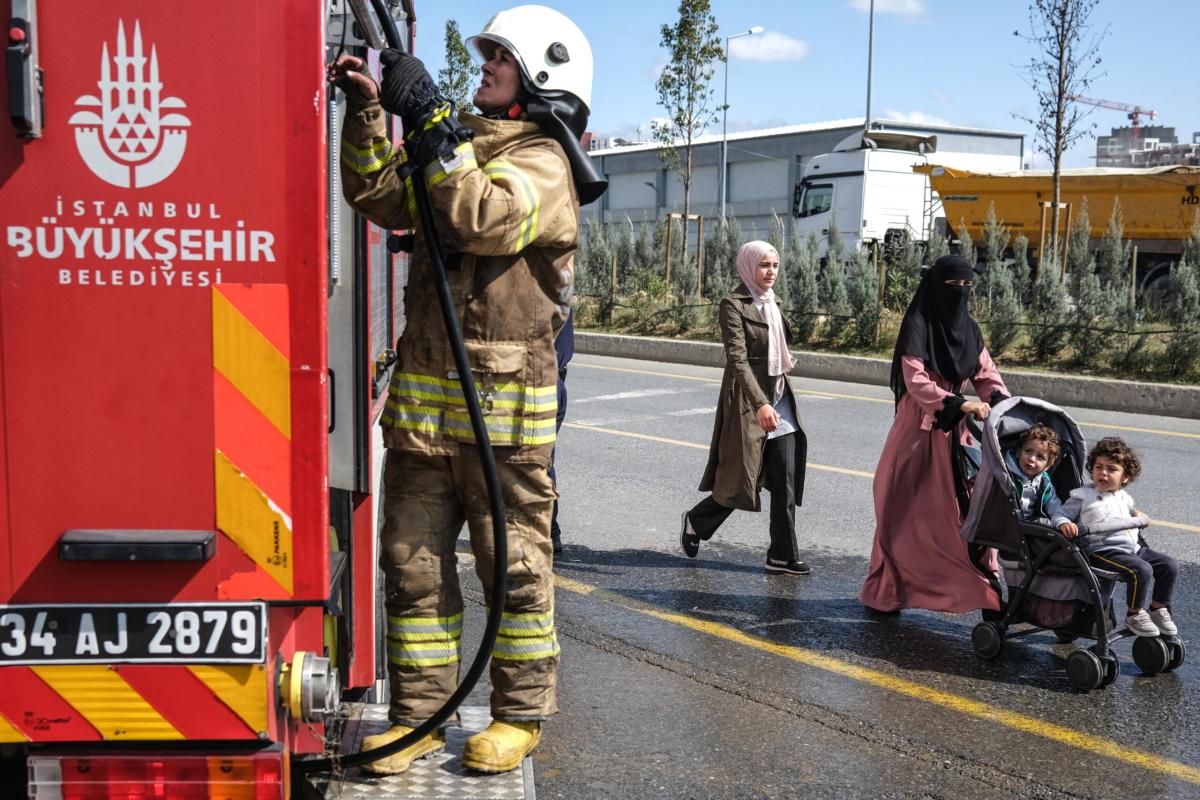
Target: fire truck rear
{"type": "Point", "coordinates": [194, 340]}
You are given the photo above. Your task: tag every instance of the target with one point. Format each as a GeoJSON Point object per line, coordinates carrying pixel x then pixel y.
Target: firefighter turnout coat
{"type": "Point", "coordinates": [506, 205]}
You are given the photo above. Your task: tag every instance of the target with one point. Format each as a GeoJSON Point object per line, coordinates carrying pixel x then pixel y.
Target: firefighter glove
{"type": "Point", "coordinates": [407, 89]}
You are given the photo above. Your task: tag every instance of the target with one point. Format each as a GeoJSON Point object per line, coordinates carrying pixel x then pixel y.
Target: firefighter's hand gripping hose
{"type": "Point", "coordinates": [487, 458]}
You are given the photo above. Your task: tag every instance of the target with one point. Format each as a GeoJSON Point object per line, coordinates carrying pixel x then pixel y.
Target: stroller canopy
{"type": "Point", "coordinates": [1006, 422]}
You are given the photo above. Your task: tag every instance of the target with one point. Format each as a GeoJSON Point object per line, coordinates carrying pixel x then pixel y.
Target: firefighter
{"type": "Point", "coordinates": [506, 187]}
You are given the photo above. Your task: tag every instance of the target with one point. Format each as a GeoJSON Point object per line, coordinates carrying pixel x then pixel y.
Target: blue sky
{"type": "Point", "coordinates": [945, 61]}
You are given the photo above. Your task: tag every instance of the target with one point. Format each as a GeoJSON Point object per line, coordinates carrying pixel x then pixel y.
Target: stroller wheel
{"type": "Point", "coordinates": [1064, 637]}
{"type": "Point", "coordinates": [1112, 668]}
{"type": "Point", "coordinates": [1085, 670]}
{"type": "Point", "coordinates": [1151, 654]}
{"type": "Point", "coordinates": [988, 640]}
{"type": "Point", "coordinates": [1175, 654]}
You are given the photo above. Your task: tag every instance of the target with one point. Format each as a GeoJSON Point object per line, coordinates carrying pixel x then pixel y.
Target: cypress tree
{"type": "Point", "coordinates": [1079, 257]}
{"type": "Point", "coordinates": [1112, 262]}
{"type": "Point", "coordinates": [1183, 309]}
{"type": "Point", "coordinates": [801, 265]}
{"type": "Point", "coordinates": [1020, 269]}
{"type": "Point", "coordinates": [1091, 335]}
{"type": "Point", "coordinates": [1048, 311]}
{"type": "Point", "coordinates": [645, 256]}
{"type": "Point", "coordinates": [720, 259]}
{"type": "Point", "coordinates": [775, 239]}
{"type": "Point", "coordinates": [862, 294]}
{"type": "Point", "coordinates": [993, 245]}
{"type": "Point", "coordinates": [966, 245]}
{"type": "Point", "coordinates": [1004, 311]}
{"type": "Point", "coordinates": [937, 247]}
{"type": "Point", "coordinates": [624, 248]}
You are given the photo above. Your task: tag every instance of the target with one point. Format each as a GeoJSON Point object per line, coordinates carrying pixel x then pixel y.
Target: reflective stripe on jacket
{"type": "Point", "coordinates": [506, 203]}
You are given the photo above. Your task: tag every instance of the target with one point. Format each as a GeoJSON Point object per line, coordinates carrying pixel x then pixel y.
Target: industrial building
{"type": "Point", "coordinates": [1146, 146]}
{"type": "Point", "coordinates": [764, 166]}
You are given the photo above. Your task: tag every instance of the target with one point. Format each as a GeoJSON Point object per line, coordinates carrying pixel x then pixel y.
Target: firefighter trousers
{"type": "Point", "coordinates": [426, 501]}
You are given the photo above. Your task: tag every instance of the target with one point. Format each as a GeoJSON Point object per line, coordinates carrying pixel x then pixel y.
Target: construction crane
{"type": "Point", "coordinates": [1134, 112]}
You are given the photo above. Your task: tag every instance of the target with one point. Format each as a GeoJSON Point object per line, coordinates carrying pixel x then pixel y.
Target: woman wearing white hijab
{"type": "Point", "coordinates": [757, 439]}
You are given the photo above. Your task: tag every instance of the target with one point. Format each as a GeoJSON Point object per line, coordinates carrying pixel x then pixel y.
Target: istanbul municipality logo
{"type": "Point", "coordinates": [130, 135]}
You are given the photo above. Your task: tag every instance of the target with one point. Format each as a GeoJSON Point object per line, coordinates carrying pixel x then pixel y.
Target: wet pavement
{"type": "Point", "coordinates": [707, 678]}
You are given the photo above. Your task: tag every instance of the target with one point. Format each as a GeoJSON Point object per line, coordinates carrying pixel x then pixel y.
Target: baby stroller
{"type": "Point", "coordinates": [1051, 586]}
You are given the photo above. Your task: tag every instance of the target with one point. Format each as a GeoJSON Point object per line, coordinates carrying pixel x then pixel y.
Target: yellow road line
{"type": "Point", "coordinates": [888, 401]}
{"type": "Point", "coordinates": [858, 473]}
{"type": "Point", "coordinates": [1009, 719]}
{"type": "Point", "coordinates": [1177, 525]}
{"type": "Point", "coordinates": [1156, 431]}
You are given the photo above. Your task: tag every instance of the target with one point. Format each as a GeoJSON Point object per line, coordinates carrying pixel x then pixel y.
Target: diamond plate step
{"type": "Point", "coordinates": [439, 776]}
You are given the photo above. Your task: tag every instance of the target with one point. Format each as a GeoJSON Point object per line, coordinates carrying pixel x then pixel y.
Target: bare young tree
{"type": "Point", "coordinates": [457, 79]}
{"type": "Point", "coordinates": [1064, 66]}
{"type": "Point", "coordinates": [694, 48]}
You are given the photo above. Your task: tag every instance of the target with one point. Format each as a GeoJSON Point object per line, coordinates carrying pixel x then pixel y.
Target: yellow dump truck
{"type": "Point", "coordinates": [1159, 206]}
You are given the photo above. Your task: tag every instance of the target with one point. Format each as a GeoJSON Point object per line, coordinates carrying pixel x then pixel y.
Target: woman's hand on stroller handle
{"type": "Point", "coordinates": [979, 410]}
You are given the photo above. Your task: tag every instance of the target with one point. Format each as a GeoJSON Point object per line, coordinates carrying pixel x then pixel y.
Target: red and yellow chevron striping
{"type": "Point", "coordinates": [252, 424]}
{"type": "Point", "coordinates": [136, 703]}
{"type": "Point", "coordinates": [108, 703]}
{"type": "Point", "coordinates": [10, 732]}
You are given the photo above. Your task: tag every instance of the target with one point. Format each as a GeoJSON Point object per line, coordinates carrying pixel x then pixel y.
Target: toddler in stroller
{"type": "Point", "coordinates": [1051, 582]}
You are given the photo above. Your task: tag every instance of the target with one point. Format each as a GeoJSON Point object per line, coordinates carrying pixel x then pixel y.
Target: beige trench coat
{"type": "Point", "coordinates": [735, 456]}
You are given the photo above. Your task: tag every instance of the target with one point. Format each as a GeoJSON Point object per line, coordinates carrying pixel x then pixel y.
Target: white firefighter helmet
{"type": "Point", "coordinates": [553, 53]}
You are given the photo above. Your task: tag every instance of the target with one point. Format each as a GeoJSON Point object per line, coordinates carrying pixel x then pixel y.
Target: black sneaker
{"type": "Point", "coordinates": [778, 567]}
{"type": "Point", "coordinates": [688, 538]}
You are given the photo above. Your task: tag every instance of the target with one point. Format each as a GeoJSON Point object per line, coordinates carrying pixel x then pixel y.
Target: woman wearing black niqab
{"type": "Point", "coordinates": [918, 559]}
{"type": "Point", "coordinates": [938, 327]}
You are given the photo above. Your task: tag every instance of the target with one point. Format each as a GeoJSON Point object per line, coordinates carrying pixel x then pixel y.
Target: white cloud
{"type": "Point", "coordinates": [941, 97]}
{"type": "Point", "coordinates": [912, 117]}
{"type": "Point", "coordinates": [909, 9]}
{"type": "Point", "coordinates": [770, 46]}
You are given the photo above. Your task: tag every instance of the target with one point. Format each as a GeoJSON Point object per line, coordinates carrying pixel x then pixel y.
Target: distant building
{"type": "Point", "coordinates": [763, 168]}
{"type": "Point", "coordinates": [1156, 146]}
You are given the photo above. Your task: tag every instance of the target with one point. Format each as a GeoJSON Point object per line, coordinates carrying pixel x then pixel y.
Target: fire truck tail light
{"type": "Point", "coordinates": [129, 776]}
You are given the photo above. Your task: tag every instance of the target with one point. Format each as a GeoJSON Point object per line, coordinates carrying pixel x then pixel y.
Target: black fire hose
{"type": "Point", "coordinates": [487, 458]}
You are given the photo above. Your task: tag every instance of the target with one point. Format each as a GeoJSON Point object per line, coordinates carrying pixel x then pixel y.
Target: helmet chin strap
{"type": "Point", "coordinates": [512, 111]}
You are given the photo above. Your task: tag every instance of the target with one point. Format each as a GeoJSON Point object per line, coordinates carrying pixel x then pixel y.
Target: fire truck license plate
{"type": "Point", "coordinates": [185, 633]}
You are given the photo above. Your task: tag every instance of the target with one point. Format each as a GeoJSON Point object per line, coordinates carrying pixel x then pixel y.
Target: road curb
{"type": "Point", "coordinates": [1166, 399]}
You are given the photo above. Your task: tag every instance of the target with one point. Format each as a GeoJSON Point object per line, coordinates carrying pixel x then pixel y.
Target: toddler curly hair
{"type": "Point", "coordinates": [1043, 433]}
{"type": "Point", "coordinates": [1114, 449]}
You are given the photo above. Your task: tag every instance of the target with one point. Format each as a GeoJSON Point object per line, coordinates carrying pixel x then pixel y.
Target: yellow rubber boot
{"type": "Point", "coordinates": [502, 747]}
{"type": "Point", "coordinates": [399, 762]}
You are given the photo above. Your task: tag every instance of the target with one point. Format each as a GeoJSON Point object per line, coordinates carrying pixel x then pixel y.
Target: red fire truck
{"type": "Point", "coordinates": [195, 336]}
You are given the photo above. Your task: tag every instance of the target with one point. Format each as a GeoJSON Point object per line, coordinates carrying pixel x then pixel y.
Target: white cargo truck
{"type": "Point", "coordinates": [868, 189]}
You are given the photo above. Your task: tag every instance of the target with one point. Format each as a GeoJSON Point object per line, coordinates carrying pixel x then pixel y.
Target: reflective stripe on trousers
{"type": "Point", "coordinates": [424, 641]}
{"type": "Point", "coordinates": [525, 637]}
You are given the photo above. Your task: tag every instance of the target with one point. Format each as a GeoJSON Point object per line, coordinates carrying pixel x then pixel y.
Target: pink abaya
{"type": "Point", "coordinates": [918, 559]}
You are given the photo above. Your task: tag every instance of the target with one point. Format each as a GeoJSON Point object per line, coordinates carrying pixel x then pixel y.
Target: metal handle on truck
{"type": "Point", "coordinates": [25, 104]}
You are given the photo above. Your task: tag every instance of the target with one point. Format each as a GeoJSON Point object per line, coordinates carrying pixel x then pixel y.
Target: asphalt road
{"type": "Point", "coordinates": [706, 678]}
